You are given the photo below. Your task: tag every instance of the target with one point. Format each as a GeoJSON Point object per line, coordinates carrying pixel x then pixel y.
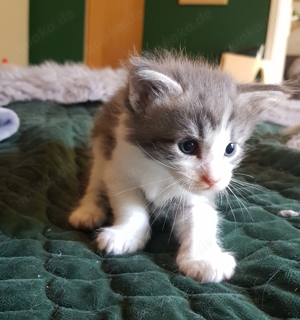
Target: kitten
{"type": "Point", "coordinates": [172, 135]}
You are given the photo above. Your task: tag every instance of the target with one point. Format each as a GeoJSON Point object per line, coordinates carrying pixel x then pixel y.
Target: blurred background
{"type": "Point", "coordinates": [103, 33]}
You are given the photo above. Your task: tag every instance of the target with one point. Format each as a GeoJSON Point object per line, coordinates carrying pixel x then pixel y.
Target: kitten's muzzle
{"type": "Point", "coordinates": [209, 180]}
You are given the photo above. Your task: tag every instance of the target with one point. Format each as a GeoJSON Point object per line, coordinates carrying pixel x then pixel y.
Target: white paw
{"type": "Point", "coordinates": [85, 217]}
{"type": "Point", "coordinates": [215, 267]}
{"type": "Point", "coordinates": [117, 240]}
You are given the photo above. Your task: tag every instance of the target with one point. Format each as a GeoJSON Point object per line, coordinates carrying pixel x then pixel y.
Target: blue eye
{"type": "Point", "coordinates": [230, 150]}
{"type": "Point", "coordinates": [188, 146]}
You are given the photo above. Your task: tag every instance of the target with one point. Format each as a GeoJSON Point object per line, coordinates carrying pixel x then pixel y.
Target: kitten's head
{"type": "Point", "coordinates": [192, 118]}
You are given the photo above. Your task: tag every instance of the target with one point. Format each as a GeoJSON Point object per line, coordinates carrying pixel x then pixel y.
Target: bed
{"type": "Point", "coordinates": [50, 271]}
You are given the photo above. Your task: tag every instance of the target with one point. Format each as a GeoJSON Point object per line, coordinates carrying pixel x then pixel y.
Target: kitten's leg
{"type": "Point", "coordinates": [131, 229]}
{"type": "Point", "coordinates": [200, 257]}
{"type": "Point", "coordinates": [88, 215]}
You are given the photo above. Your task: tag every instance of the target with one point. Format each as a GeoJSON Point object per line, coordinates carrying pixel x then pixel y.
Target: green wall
{"type": "Point", "coordinates": [206, 30]}
{"type": "Point", "coordinates": [56, 30]}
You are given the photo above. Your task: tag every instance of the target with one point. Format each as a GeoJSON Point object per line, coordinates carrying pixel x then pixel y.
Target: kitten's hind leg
{"type": "Point", "coordinates": [89, 215]}
{"type": "Point", "coordinates": [131, 229]}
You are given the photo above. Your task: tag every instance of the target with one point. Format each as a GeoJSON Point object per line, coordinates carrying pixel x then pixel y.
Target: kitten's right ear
{"type": "Point", "coordinates": [147, 86]}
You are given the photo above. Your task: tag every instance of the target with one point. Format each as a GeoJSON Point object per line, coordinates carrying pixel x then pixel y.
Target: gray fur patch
{"type": "Point", "coordinates": [197, 101]}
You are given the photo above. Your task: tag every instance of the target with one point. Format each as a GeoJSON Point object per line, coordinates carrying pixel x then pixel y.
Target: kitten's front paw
{"type": "Point", "coordinates": [87, 218]}
{"type": "Point", "coordinates": [116, 240]}
{"type": "Point", "coordinates": [213, 268]}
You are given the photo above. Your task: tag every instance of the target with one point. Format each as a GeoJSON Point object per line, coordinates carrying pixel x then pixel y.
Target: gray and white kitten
{"type": "Point", "coordinates": [172, 135]}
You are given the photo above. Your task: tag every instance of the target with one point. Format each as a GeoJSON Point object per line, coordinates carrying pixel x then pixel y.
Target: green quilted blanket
{"type": "Point", "coordinates": [50, 271]}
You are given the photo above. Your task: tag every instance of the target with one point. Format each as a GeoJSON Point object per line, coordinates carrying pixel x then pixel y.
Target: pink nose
{"type": "Point", "coordinates": [209, 181]}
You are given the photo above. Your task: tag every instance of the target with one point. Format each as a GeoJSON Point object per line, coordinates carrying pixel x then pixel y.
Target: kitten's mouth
{"type": "Point", "coordinates": [198, 187]}
{"type": "Point", "coordinates": [203, 184]}
{"type": "Point", "coordinates": [209, 181]}
{"type": "Point", "coordinates": [206, 186]}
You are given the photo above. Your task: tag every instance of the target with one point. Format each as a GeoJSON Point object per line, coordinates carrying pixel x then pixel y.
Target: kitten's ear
{"type": "Point", "coordinates": [147, 86]}
{"type": "Point", "coordinates": [258, 97]}
{"type": "Point", "coordinates": [284, 88]}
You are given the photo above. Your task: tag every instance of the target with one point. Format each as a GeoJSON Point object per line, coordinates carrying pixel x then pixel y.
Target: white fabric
{"type": "Point", "coordinates": [68, 83]}
{"type": "Point", "coordinates": [9, 123]}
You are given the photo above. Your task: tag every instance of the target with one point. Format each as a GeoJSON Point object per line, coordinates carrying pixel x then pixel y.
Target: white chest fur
{"type": "Point", "coordinates": [131, 168]}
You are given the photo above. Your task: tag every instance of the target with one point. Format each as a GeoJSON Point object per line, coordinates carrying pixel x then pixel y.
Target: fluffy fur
{"type": "Point", "coordinates": [138, 142]}
{"type": "Point", "coordinates": [68, 83]}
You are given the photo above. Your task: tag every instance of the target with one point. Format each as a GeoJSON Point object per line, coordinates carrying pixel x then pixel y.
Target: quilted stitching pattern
{"type": "Point", "coordinates": [50, 271]}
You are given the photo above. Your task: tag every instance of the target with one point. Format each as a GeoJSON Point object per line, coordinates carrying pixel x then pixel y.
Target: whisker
{"type": "Point", "coordinates": [228, 202]}
{"type": "Point", "coordinates": [161, 201]}
{"type": "Point", "coordinates": [162, 191]}
{"type": "Point", "coordinates": [247, 186]}
{"type": "Point", "coordinates": [154, 158]}
{"type": "Point", "coordinates": [158, 214]}
{"type": "Point", "coordinates": [243, 174]}
{"type": "Point", "coordinates": [239, 201]}
{"type": "Point", "coordinates": [247, 191]}
{"type": "Point", "coordinates": [240, 192]}
{"type": "Point", "coordinates": [163, 206]}
{"type": "Point", "coordinates": [174, 221]}
{"type": "Point", "coordinates": [153, 145]}
{"type": "Point", "coordinates": [173, 165]}
{"type": "Point", "coordinates": [180, 203]}
{"type": "Point", "coordinates": [243, 183]}
{"type": "Point", "coordinates": [166, 216]}
{"type": "Point", "coordinates": [143, 185]}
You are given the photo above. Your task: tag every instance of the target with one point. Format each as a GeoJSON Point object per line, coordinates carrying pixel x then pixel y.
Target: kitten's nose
{"type": "Point", "coordinates": [209, 180]}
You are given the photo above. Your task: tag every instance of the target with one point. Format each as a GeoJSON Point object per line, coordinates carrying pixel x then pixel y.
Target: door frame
{"type": "Point", "coordinates": [279, 26]}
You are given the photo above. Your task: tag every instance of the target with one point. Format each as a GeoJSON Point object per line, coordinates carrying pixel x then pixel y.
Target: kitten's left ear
{"type": "Point", "coordinates": [148, 86]}
{"type": "Point", "coordinates": [284, 88]}
{"type": "Point", "coordinates": [260, 97]}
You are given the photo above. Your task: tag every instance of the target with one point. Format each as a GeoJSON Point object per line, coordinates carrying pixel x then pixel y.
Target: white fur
{"type": "Point", "coordinates": [213, 162]}
{"type": "Point", "coordinates": [128, 173]}
{"type": "Point", "coordinates": [200, 256]}
{"type": "Point", "coordinates": [217, 165]}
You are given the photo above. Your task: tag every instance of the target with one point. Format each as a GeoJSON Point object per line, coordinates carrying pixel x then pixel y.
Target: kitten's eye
{"type": "Point", "coordinates": [188, 146]}
{"type": "Point", "coordinates": [230, 150]}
